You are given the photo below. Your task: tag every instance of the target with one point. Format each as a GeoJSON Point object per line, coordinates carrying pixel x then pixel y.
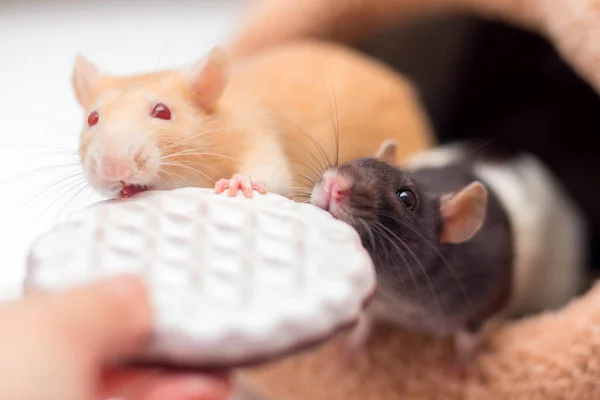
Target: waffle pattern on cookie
{"type": "Point", "coordinates": [232, 280]}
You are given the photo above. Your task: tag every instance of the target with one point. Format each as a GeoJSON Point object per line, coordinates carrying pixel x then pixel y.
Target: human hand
{"type": "Point", "coordinates": [66, 347]}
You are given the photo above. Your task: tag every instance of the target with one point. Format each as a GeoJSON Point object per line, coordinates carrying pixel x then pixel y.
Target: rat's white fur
{"type": "Point", "coordinates": [135, 154]}
{"type": "Point", "coordinates": [269, 163]}
{"type": "Point", "coordinates": [548, 228]}
{"type": "Point", "coordinates": [549, 233]}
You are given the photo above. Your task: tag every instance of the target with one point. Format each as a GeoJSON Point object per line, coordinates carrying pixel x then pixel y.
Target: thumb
{"type": "Point", "coordinates": [106, 321]}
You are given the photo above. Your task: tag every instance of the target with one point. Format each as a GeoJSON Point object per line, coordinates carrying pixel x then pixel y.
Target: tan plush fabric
{"type": "Point", "coordinates": [572, 25]}
{"type": "Point", "coordinates": [551, 356]}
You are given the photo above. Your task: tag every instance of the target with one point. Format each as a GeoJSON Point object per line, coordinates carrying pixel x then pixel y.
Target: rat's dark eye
{"type": "Point", "coordinates": [408, 198]}
{"type": "Point", "coordinates": [161, 111]}
{"type": "Point", "coordinates": [93, 118]}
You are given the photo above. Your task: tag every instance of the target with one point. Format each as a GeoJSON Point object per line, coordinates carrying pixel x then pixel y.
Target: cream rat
{"type": "Point", "coordinates": [281, 117]}
{"type": "Point", "coordinates": [458, 239]}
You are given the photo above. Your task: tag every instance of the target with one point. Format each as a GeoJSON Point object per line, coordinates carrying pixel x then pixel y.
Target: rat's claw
{"type": "Point", "coordinates": [239, 181]}
{"type": "Point", "coordinates": [221, 185]}
{"type": "Point", "coordinates": [356, 343]}
{"type": "Point", "coordinates": [260, 187]}
{"type": "Point", "coordinates": [466, 346]}
{"type": "Point", "coordinates": [246, 185]}
{"type": "Point", "coordinates": [234, 183]}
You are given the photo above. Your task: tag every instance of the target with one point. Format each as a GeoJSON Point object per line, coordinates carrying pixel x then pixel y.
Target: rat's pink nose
{"type": "Point", "coordinates": [337, 186]}
{"type": "Point", "coordinates": [114, 169]}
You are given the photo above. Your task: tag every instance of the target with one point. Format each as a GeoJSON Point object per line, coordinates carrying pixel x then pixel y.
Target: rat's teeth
{"type": "Point", "coordinates": [232, 280]}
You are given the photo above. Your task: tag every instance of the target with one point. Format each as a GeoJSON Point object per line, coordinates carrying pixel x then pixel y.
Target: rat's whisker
{"type": "Point", "coordinates": [336, 124]}
{"type": "Point", "coordinates": [207, 132]}
{"type": "Point", "coordinates": [401, 243]}
{"type": "Point", "coordinates": [369, 232]}
{"type": "Point", "coordinates": [72, 186]}
{"type": "Point", "coordinates": [160, 55]}
{"type": "Point", "coordinates": [314, 164]}
{"type": "Point", "coordinates": [61, 128]}
{"type": "Point", "coordinates": [185, 181]}
{"type": "Point", "coordinates": [395, 247]}
{"type": "Point", "coordinates": [319, 163]}
{"type": "Point", "coordinates": [59, 182]}
{"type": "Point", "coordinates": [46, 168]}
{"type": "Point", "coordinates": [333, 115]}
{"type": "Point", "coordinates": [299, 198]}
{"type": "Point", "coordinates": [267, 123]}
{"type": "Point", "coordinates": [172, 144]}
{"type": "Point", "coordinates": [311, 183]}
{"type": "Point", "coordinates": [85, 185]}
{"type": "Point", "coordinates": [181, 165]}
{"type": "Point", "coordinates": [193, 152]}
{"type": "Point", "coordinates": [199, 163]}
{"type": "Point", "coordinates": [324, 162]}
{"type": "Point", "coordinates": [91, 193]}
{"type": "Point", "coordinates": [162, 181]}
{"type": "Point", "coordinates": [254, 114]}
{"type": "Point", "coordinates": [299, 190]}
{"type": "Point", "coordinates": [445, 262]}
{"type": "Point", "coordinates": [478, 148]}
{"type": "Point", "coordinates": [438, 253]}
{"type": "Point", "coordinates": [317, 173]}
{"type": "Point", "coordinates": [30, 146]}
{"type": "Point", "coordinates": [388, 242]}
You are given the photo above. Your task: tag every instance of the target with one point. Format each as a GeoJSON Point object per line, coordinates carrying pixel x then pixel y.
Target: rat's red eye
{"type": "Point", "coordinates": [93, 118]}
{"type": "Point", "coordinates": [162, 112]}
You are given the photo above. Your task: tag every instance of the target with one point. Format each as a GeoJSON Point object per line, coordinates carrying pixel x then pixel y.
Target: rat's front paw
{"type": "Point", "coordinates": [237, 182]}
{"type": "Point", "coordinates": [355, 345]}
{"type": "Point", "coordinates": [466, 348]}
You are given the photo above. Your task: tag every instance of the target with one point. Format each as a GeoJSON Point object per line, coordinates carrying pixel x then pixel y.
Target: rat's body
{"type": "Point", "coordinates": [276, 117]}
{"type": "Point", "coordinates": [459, 239]}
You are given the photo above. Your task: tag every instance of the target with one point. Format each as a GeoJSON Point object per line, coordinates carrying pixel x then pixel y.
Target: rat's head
{"type": "Point", "coordinates": [136, 127]}
{"type": "Point", "coordinates": [398, 219]}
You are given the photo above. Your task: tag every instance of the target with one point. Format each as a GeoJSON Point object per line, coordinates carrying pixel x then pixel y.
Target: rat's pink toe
{"type": "Point", "coordinates": [246, 185]}
{"type": "Point", "coordinates": [237, 182]}
{"type": "Point", "coordinates": [221, 185]}
{"type": "Point", "coordinates": [234, 185]}
{"type": "Point", "coordinates": [260, 187]}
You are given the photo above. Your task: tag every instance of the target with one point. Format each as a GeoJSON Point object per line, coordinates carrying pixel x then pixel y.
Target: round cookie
{"type": "Point", "coordinates": [233, 281]}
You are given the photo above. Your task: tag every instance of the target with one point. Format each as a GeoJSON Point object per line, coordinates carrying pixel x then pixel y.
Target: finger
{"type": "Point", "coordinates": [108, 320]}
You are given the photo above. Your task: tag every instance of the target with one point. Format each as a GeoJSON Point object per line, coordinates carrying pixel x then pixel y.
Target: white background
{"type": "Point", "coordinates": [39, 116]}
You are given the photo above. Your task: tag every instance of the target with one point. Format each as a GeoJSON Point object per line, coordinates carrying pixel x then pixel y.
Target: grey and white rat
{"type": "Point", "coordinates": [458, 239]}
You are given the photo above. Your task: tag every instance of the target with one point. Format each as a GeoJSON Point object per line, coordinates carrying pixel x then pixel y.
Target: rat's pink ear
{"type": "Point", "coordinates": [463, 213]}
{"type": "Point", "coordinates": [209, 77]}
{"type": "Point", "coordinates": [85, 77]}
{"type": "Point", "coordinates": [387, 152]}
